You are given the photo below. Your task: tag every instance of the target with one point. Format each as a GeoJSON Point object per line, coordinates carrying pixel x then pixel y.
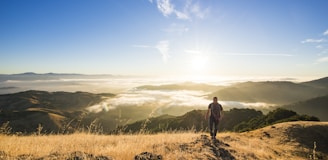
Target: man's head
{"type": "Point", "coordinates": [215, 99]}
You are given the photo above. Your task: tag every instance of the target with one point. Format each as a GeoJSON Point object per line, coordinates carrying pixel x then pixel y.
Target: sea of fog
{"type": "Point", "coordinates": [167, 101]}
{"type": "Point", "coordinates": [96, 84]}
{"type": "Point", "coordinates": [127, 93]}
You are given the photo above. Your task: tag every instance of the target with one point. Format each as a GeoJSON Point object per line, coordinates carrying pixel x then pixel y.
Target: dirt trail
{"type": "Point", "coordinates": [210, 149]}
{"type": "Point", "coordinates": [202, 148]}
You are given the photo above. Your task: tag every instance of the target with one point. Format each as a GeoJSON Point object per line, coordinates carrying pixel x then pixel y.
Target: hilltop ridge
{"type": "Point", "coordinates": [288, 140]}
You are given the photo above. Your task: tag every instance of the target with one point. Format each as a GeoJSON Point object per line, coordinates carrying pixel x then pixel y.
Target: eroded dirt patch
{"type": "Point", "coordinates": [202, 148]}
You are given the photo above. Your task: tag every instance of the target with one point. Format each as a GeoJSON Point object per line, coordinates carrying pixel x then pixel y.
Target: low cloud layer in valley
{"type": "Point", "coordinates": [175, 102]}
{"type": "Point", "coordinates": [156, 101]}
{"type": "Point", "coordinates": [139, 98]}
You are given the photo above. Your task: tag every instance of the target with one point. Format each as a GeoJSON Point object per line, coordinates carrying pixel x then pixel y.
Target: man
{"type": "Point", "coordinates": [216, 113]}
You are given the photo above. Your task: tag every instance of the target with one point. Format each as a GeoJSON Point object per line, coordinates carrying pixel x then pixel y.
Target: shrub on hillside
{"type": "Point", "coordinates": [276, 116]}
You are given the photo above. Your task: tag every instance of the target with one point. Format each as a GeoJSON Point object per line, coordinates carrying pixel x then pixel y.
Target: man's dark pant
{"type": "Point", "coordinates": [213, 122]}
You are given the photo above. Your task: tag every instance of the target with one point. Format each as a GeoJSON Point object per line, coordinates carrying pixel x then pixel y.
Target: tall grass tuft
{"type": "Point", "coordinates": [5, 128]}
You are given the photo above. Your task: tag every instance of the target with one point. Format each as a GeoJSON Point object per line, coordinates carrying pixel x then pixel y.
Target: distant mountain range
{"type": "Point", "coordinates": [39, 74]}
{"type": "Point", "coordinates": [50, 73]}
{"type": "Point", "coordinates": [182, 86]}
{"type": "Point", "coordinates": [305, 98]}
{"type": "Point", "coordinates": [30, 76]}
{"type": "Point", "coordinates": [272, 92]}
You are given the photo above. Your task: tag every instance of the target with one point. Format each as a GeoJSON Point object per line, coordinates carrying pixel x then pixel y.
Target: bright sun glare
{"type": "Point", "coordinates": [199, 62]}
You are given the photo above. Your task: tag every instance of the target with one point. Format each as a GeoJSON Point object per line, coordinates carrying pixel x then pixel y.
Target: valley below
{"type": "Point", "coordinates": [262, 120]}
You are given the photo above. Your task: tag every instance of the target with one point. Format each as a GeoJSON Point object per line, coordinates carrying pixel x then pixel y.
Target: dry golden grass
{"type": "Point", "coordinates": [116, 146]}
{"type": "Point", "coordinates": [255, 148]}
{"type": "Point", "coordinates": [273, 142]}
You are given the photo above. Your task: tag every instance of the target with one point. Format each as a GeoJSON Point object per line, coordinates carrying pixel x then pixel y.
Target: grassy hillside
{"type": "Point", "coordinates": [55, 111]}
{"type": "Point", "coordinates": [52, 100]}
{"type": "Point", "coordinates": [317, 106]}
{"type": "Point", "coordinates": [276, 116]}
{"type": "Point", "coordinates": [292, 140]}
{"type": "Point", "coordinates": [238, 120]}
{"type": "Point", "coordinates": [319, 83]}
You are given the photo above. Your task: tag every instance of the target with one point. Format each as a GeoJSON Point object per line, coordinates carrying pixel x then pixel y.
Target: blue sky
{"type": "Point", "coordinates": [165, 37]}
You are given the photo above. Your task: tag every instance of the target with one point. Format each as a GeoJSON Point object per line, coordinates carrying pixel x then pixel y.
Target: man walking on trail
{"type": "Point", "coordinates": [216, 113]}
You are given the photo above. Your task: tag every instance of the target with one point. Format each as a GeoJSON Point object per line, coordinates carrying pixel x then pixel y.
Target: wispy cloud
{"type": "Point", "coordinates": [322, 59]}
{"type": "Point", "coordinates": [162, 46]}
{"type": "Point", "coordinates": [321, 45]}
{"type": "Point", "coordinates": [324, 51]}
{"type": "Point", "coordinates": [192, 51]}
{"type": "Point", "coordinates": [258, 54]}
{"type": "Point", "coordinates": [185, 12]}
{"type": "Point", "coordinates": [242, 54]}
{"type": "Point", "coordinates": [198, 12]}
{"type": "Point", "coordinates": [313, 40]}
{"type": "Point", "coordinates": [142, 46]}
{"type": "Point", "coordinates": [165, 7]}
{"type": "Point", "coordinates": [325, 33]}
{"type": "Point", "coordinates": [176, 28]}
{"type": "Point", "coordinates": [181, 15]}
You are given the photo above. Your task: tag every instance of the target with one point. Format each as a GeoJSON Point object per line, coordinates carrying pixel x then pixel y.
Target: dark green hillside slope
{"type": "Point", "coordinates": [56, 112]}
{"type": "Point", "coordinates": [51, 100]}
{"type": "Point", "coordinates": [276, 116]}
{"type": "Point", "coordinates": [320, 83]}
{"type": "Point", "coordinates": [28, 121]}
{"type": "Point", "coordinates": [234, 120]}
{"type": "Point", "coordinates": [317, 107]}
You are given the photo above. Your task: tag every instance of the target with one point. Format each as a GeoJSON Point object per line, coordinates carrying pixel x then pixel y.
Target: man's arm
{"type": "Point", "coordinates": [206, 116]}
{"type": "Point", "coordinates": [208, 111]}
{"type": "Point", "coordinates": [221, 112]}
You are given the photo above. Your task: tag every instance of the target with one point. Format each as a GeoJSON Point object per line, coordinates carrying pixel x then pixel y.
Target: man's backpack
{"type": "Point", "coordinates": [216, 110]}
